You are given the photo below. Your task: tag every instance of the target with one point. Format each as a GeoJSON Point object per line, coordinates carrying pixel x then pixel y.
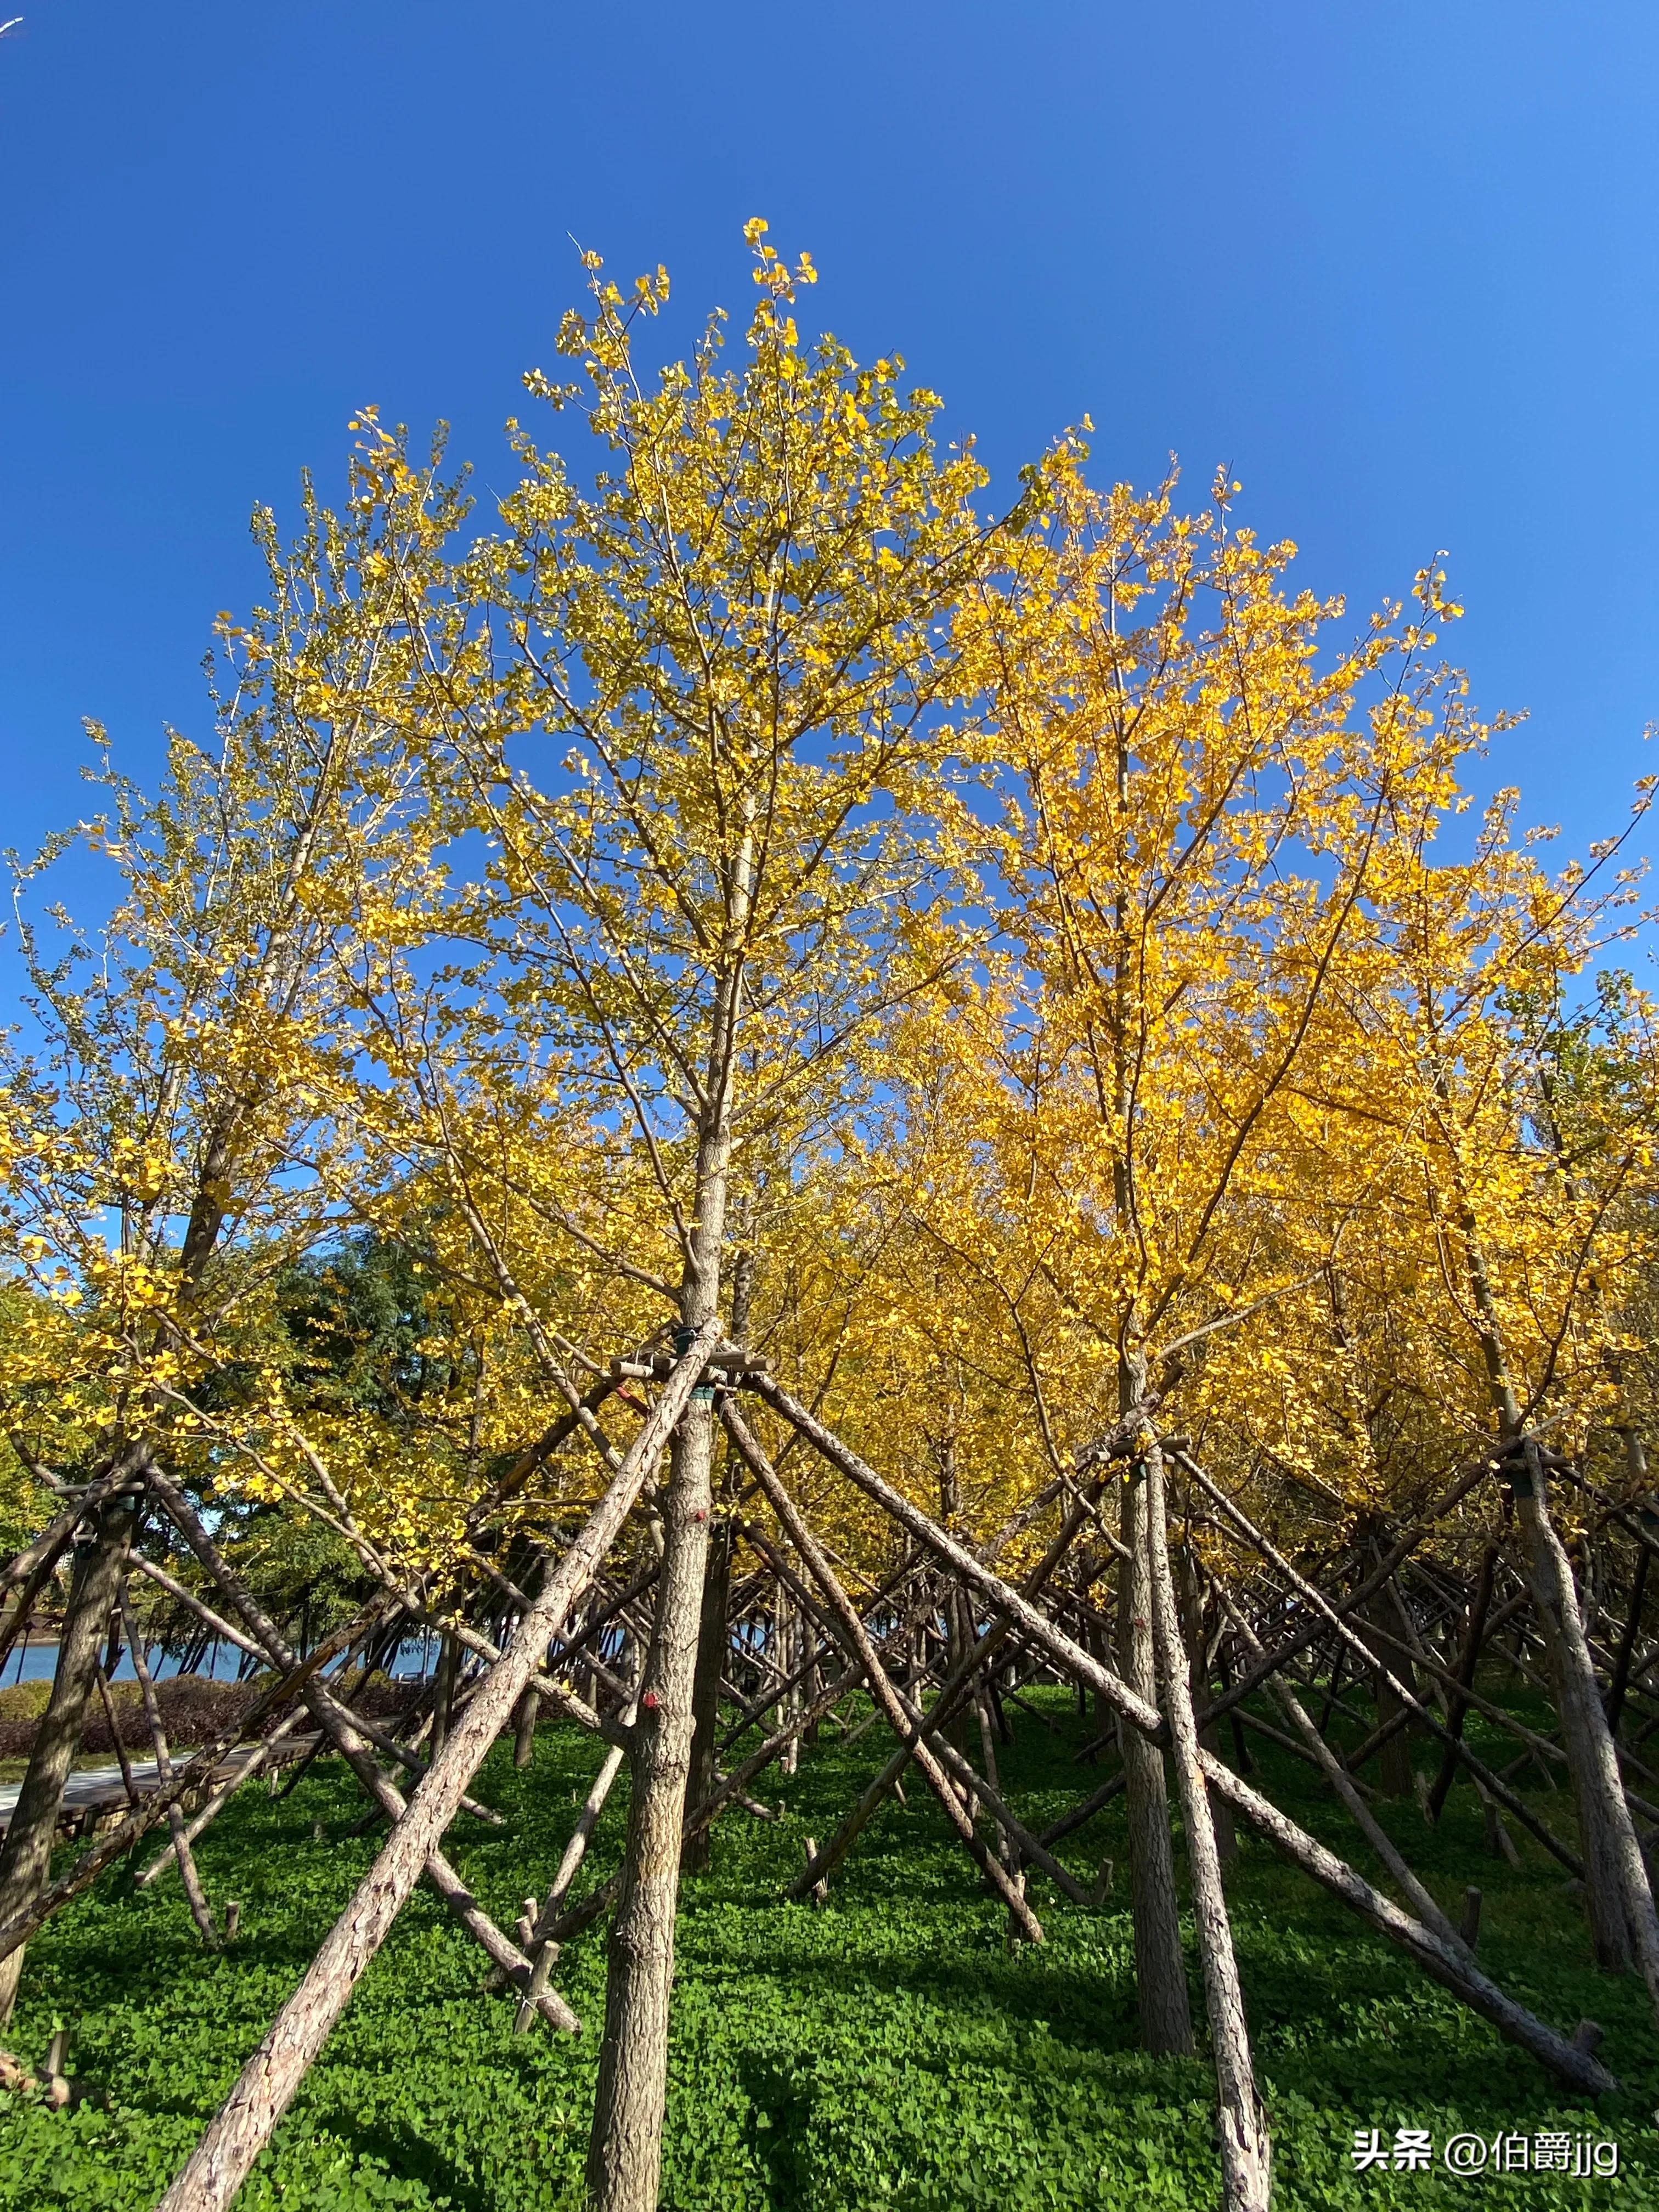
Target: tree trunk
{"type": "Point", "coordinates": [1333, 1681]}
{"type": "Point", "coordinates": [1468, 1664]}
{"type": "Point", "coordinates": [783, 1618]}
{"type": "Point", "coordinates": [957, 1644]}
{"type": "Point", "coordinates": [1617, 1897]}
{"type": "Point", "coordinates": [526, 1714]}
{"type": "Point", "coordinates": [443, 1692]}
{"type": "Point", "coordinates": [1576, 2067]}
{"type": "Point", "coordinates": [713, 1643]}
{"type": "Point", "coordinates": [624, 2156]}
{"type": "Point", "coordinates": [1246, 2148]}
{"type": "Point", "coordinates": [624, 2149]}
{"type": "Point", "coordinates": [34, 1565]}
{"type": "Point", "coordinates": [26, 1855]}
{"type": "Point", "coordinates": [1197, 1686]}
{"type": "Point", "coordinates": [1393, 1761]}
{"type": "Point", "coordinates": [1166, 2020]}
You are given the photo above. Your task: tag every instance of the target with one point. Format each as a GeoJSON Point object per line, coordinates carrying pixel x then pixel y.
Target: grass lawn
{"type": "Point", "coordinates": [890, 2050]}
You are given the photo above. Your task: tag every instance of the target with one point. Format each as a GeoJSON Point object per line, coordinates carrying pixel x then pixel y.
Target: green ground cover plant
{"type": "Point", "coordinates": [889, 2050]}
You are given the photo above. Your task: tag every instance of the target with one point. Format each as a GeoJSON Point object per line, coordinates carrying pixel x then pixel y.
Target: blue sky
{"type": "Point", "coordinates": [1398, 267]}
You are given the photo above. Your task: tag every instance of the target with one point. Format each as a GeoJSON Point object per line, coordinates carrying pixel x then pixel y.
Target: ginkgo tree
{"type": "Point", "coordinates": [173, 1138]}
{"type": "Point", "coordinates": [729, 652]}
{"type": "Point", "coordinates": [695, 711]}
{"type": "Point", "coordinates": [946, 1052]}
{"type": "Point", "coordinates": [1205, 812]}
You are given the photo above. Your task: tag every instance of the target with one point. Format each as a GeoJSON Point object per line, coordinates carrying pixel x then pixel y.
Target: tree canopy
{"type": "Point", "coordinates": [1032, 992]}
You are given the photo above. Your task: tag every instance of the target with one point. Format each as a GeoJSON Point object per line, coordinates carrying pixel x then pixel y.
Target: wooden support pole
{"type": "Point", "coordinates": [1410, 1704]}
{"type": "Point", "coordinates": [200, 1911]}
{"type": "Point", "coordinates": [1627, 1641]}
{"type": "Point", "coordinates": [1419, 1898]}
{"type": "Point", "coordinates": [1468, 1660]}
{"type": "Point", "coordinates": [819, 1891]}
{"type": "Point", "coordinates": [234, 2137]}
{"type": "Point", "coordinates": [954, 1686]}
{"type": "Point", "coordinates": [1439, 1960]}
{"type": "Point", "coordinates": [543, 1950]}
{"type": "Point", "coordinates": [864, 1650]}
{"type": "Point", "coordinates": [525, 1715]}
{"type": "Point", "coordinates": [112, 1722]}
{"type": "Point", "coordinates": [26, 1854]}
{"type": "Point", "coordinates": [196, 1776]}
{"type": "Point", "coordinates": [263, 1753]}
{"type": "Point", "coordinates": [1246, 2145]}
{"type": "Point", "coordinates": [1280, 1655]}
{"type": "Point", "coordinates": [1617, 1894]}
{"type": "Point", "coordinates": [33, 1565]}
{"type": "Point", "coordinates": [1085, 1811]}
{"type": "Point", "coordinates": [714, 1641]}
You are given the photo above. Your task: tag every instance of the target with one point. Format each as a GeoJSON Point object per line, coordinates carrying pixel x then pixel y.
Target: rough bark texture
{"type": "Point", "coordinates": [625, 2152]}
{"type": "Point", "coordinates": [1468, 1661]}
{"type": "Point", "coordinates": [712, 1646]}
{"type": "Point", "coordinates": [26, 1855]}
{"type": "Point", "coordinates": [1246, 2149]}
{"type": "Point", "coordinates": [1166, 2020]}
{"type": "Point", "coordinates": [1617, 1896]}
{"type": "Point", "coordinates": [624, 2149]}
{"type": "Point", "coordinates": [525, 1715]}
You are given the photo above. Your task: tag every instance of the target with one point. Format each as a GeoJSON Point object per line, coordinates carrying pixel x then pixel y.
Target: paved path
{"type": "Point", "coordinates": [91, 1790]}
{"type": "Point", "coordinates": [87, 1786]}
